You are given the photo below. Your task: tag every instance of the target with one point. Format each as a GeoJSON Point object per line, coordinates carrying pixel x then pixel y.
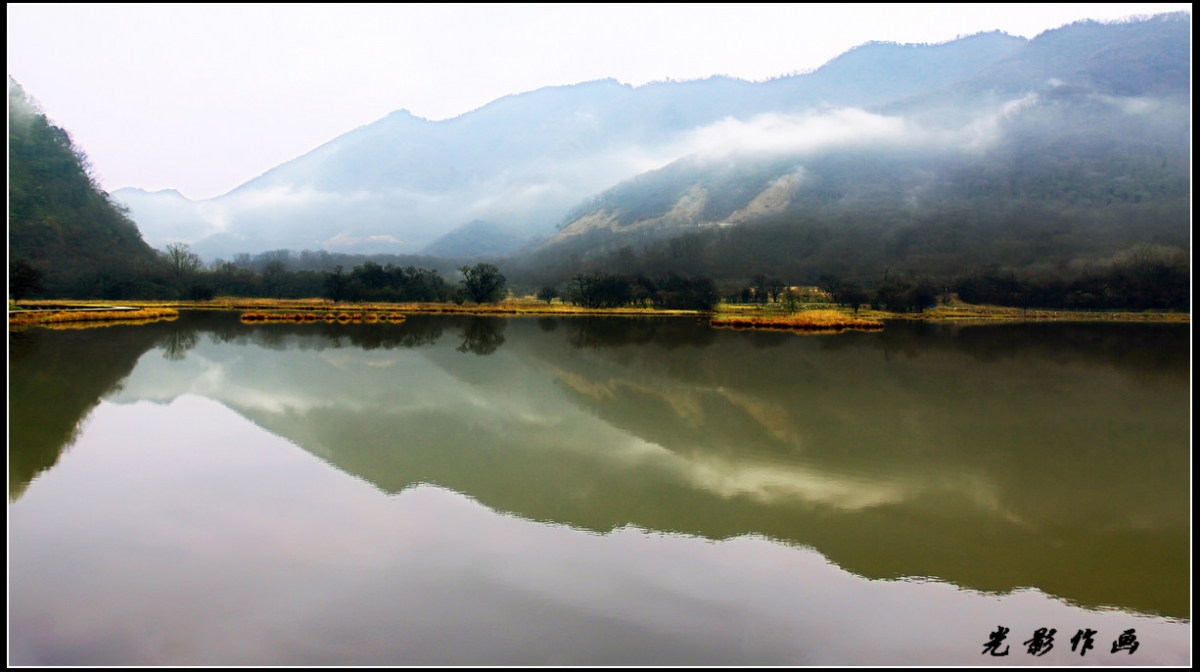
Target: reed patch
{"type": "Point", "coordinates": [258, 317]}
{"type": "Point", "coordinates": [82, 319]}
{"type": "Point", "coordinates": [815, 321]}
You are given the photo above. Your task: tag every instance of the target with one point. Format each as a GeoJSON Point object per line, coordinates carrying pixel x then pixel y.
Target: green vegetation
{"type": "Point", "coordinates": [372, 282]}
{"type": "Point", "coordinates": [61, 224]}
{"type": "Point", "coordinates": [482, 283]}
{"type": "Point", "coordinates": [1075, 193]}
{"type": "Point", "coordinates": [669, 292]}
{"type": "Point", "coordinates": [23, 279]}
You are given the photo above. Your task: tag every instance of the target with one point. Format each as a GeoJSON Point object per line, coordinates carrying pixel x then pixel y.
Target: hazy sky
{"type": "Point", "coordinates": [204, 98]}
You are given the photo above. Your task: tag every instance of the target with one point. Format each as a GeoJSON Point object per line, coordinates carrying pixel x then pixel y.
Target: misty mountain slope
{"type": "Point", "coordinates": [1055, 131]}
{"type": "Point", "coordinates": [522, 161]}
{"type": "Point", "coordinates": [881, 71]}
{"type": "Point", "coordinates": [1149, 58]}
{"type": "Point", "coordinates": [1136, 58]}
{"type": "Point", "coordinates": [475, 239]}
{"type": "Point", "coordinates": [59, 221]}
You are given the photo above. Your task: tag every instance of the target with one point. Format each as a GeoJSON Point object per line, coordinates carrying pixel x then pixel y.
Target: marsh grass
{"type": "Point", "coordinates": [768, 316]}
{"type": "Point", "coordinates": [255, 317]}
{"type": "Point", "coordinates": [68, 319]}
{"type": "Point", "coordinates": [517, 306]}
{"type": "Point", "coordinates": [60, 326]}
{"type": "Point", "coordinates": [531, 307]}
{"type": "Point", "coordinates": [962, 312]}
{"type": "Point", "coordinates": [829, 321]}
{"type": "Point", "coordinates": [956, 312]}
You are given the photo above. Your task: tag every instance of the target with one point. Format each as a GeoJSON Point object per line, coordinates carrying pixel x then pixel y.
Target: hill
{"type": "Point", "coordinates": [1070, 150]}
{"type": "Point", "coordinates": [59, 221]}
{"type": "Point", "coordinates": [520, 163]}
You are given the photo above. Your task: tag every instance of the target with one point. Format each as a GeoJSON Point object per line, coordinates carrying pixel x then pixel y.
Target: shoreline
{"type": "Point", "coordinates": [49, 312]}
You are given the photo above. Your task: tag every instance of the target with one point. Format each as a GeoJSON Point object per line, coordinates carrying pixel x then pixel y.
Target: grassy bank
{"type": "Point", "coordinates": [82, 319]}
{"type": "Point", "coordinates": [814, 317]}
{"type": "Point", "coordinates": [807, 320]}
{"type": "Point", "coordinates": [323, 306]}
{"type": "Point", "coordinates": [956, 312]}
{"type": "Point", "coordinates": [969, 313]}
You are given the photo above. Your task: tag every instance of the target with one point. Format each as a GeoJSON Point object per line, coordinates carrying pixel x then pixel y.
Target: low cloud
{"type": "Point", "coordinates": [797, 133]}
{"type": "Point", "coordinates": [776, 134]}
{"type": "Point", "coordinates": [346, 241]}
{"type": "Point", "coordinates": [533, 193]}
{"type": "Point", "coordinates": [986, 129]}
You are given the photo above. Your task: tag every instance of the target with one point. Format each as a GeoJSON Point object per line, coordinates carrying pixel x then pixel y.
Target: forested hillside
{"type": "Point", "coordinates": [1045, 178]}
{"type": "Point", "coordinates": [492, 178]}
{"type": "Point", "coordinates": [59, 222]}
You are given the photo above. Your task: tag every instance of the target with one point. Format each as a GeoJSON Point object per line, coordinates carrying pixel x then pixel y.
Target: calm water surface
{"type": "Point", "coordinates": [458, 490]}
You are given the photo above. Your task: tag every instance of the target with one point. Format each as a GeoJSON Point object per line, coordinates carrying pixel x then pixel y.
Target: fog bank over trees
{"type": "Point", "coordinates": [1043, 180]}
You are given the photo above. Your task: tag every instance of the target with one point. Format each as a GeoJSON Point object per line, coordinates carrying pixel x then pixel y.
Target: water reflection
{"type": "Point", "coordinates": [482, 335]}
{"type": "Point", "coordinates": [54, 380]}
{"type": "Point", "coordinates": [226, 545]}
{"type": "Point", "coordinates": [609, 332]}
{"type": "Point", "coordinates": [1046, 456]}
{"type": "Point", "coordinates": [177, 343]}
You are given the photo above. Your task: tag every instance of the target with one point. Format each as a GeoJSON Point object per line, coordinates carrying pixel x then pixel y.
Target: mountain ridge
{"type": "Point", "coordinates": [1071, 148]}
{"type": "Point", "coordinates": [520, 161]}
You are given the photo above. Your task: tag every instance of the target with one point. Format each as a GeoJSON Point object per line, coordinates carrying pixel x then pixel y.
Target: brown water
{"type": "Point", "coordinates": [571, 490]}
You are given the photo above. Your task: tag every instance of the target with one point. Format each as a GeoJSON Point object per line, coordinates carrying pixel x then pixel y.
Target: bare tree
{"type": "Point", "coordinates": [182, 260]}
{"type": "Point", "coordinates": [482, 283]}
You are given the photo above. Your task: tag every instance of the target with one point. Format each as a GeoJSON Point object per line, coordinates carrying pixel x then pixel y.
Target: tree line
{"type": "Point", "coordinates": [670, 291]}
{"type": "Point", "coordinates": [1149, 278]}
{"type": "Point", "coordinates": [1019, 254]}
{"type": "Point", "coordinates": [180, 274]}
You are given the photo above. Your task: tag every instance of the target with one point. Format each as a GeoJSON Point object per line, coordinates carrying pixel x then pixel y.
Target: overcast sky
{"type": "Point", "coordinates": [204, 98]}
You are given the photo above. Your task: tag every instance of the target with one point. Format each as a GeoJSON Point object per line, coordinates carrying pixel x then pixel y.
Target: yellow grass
{"type": "Point", "coordinates": [529, 307]}
{"type": "Point", "coordinates": [297, 318]}
{"type": "Point", "coordinates": [88, 318]}
{"type": "Point", "coordinates": [348, 312]}
{"type": "Point", "coordinates": [353, 312]}
{"type": "Point", "coordinates": [961, 312]}
{"type": "Point", "coordinates": [62, 326]}
{"type": "Point", "coordinates": [809, 321]}
{"type": "Point", "coordinates": [519, 306]}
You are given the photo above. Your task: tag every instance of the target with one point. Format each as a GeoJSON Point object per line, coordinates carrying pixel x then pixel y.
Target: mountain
{"type": "Point", "coordinates": [475, 239]}
{"type": "Point", "coordinates": [521, 162]}
{"type": "Point", "coordinates": [59, 221]}
{"type": "Point", "coordinates": [166, 216]}
{"type": "Point", "coordinates": [1068, 149]}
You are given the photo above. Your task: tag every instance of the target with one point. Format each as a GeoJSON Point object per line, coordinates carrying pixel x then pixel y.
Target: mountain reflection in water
{"type": "Point", "coordinates": [1049, 456]}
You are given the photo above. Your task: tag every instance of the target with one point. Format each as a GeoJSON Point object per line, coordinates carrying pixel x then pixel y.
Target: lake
{"type": "Point", "coordinates": [586, 490]}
